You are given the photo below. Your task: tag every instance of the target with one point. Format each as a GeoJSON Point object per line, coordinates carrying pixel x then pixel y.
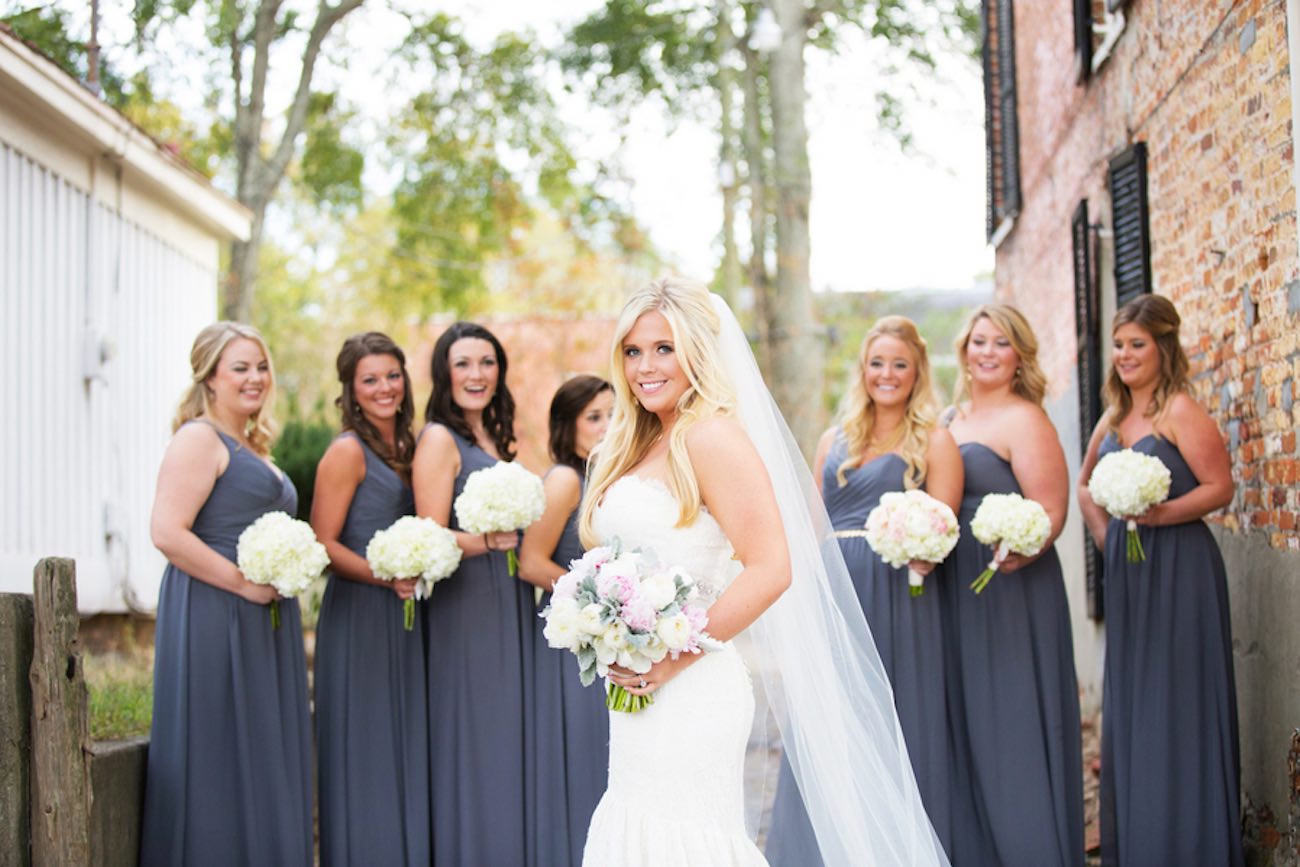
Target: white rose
{"type": "Point", "coordinates": [589, 619]}
{"type": "Point", "coordinates": [674, 632]}
{"type": "Point", "coordinates": [659, 590]}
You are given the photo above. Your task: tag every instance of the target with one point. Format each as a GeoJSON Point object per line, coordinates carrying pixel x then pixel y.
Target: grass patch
{"type": "Point", "coordinates": [121, 696]}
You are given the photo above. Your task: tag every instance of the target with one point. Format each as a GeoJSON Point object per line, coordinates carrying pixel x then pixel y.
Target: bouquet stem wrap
{"type": "Point", "coordinates": [1133, 544]}
{"type": "Point", "coordinates": [915, 582]}
{"type": "Point", "coordinates": [982, 580]}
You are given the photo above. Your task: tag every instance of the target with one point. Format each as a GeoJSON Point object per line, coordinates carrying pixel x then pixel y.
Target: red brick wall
{"type": "Point", "coordinates": [1214, 106]}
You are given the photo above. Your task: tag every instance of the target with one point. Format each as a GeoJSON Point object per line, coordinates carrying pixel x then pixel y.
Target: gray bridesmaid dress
{"type": "Point", "coordinates": [1014, 697]}
{"type": "Point", "coordinates": [1170, 761]}
{"type": "Point", "coordinates": [229, 769]}
{"type": "Point", "coordinates": [908, 634]}
{"type": "Point", "coordinates": [570, 737]}
{"type": "Point", "coordinates": [372, 728]}
{"type": "Point", "coordinates": [478, 634]}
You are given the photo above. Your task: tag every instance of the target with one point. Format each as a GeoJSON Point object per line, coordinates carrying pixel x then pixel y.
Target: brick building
{"type": "Point", "coordinates": [1148, 146]}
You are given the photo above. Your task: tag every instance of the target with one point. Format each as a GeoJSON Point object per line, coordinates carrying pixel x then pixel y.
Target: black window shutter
{"type": "Point", "coordinates": [1001, 130]}
{"type": "Point", "coordinates": [1083, 37]}
{"type": "Point", "coordinates": [1128, 200]}
{"type": "Point", "coordinates": [1089, 375]}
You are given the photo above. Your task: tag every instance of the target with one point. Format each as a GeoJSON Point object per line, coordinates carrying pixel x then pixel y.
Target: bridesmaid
{"type": "Point", "coordinates": [570, 725]}
{"type": "Point", "coordinates": [1012, 684]}
{"type": "Point", "coordinates": [229, 774]}
{"type": "Point", "coordinates": [478, 622]}
{"type": "Point", "coordinates": [1170, 764]}
{"type": "Point", "coordinates": [372, 732]}
{"type": "Point", "coordinates": [888, 441]}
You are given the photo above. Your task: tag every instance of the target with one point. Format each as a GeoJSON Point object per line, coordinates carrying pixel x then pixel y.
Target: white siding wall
{"type": "Point", "coordinates": [78, 457]}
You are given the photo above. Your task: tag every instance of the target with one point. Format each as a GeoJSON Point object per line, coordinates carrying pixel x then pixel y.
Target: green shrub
{"type": "Point", "coordinates": [299, 448]}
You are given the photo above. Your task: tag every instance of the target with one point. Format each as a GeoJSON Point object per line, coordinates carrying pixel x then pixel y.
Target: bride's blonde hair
{"type": "Point", "coordinates": [689, 312]}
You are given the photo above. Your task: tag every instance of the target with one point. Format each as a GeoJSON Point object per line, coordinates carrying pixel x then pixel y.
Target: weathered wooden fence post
{"type": "Point", "coordinates": [61, 792]}
{"type": "Point", "coordinates": [15, 729]}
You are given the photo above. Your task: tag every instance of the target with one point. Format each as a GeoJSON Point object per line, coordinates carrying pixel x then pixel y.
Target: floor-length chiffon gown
{"type": "Point", "coordinates": [478, 633]}
{"type": "Point", "coordinates": [1170, 760]}
{"type": "Point", "coordinates": [229, 768]}
{"type": "Point", "coordinates": [570, 746]}
{"type": "Point", "coordinates": [372, 731]}
{"type": "Point", "coordinates": [1014, 696]}
{"type": "Point", "coordinates": [908, 634]}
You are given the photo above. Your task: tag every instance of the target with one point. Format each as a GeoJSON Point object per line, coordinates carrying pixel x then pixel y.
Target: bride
{"type": "Point", "coordinates": [699, 467]}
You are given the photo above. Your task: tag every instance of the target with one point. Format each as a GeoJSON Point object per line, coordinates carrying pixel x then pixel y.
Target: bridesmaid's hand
{"type": "Point", "coordinates": [921, 567]}
{"type": "Point", "coordinates": [1152, 517]}
{"type": "Point", "coordinates": [258, 594]}
{"type": "Point", "coordinates": [659, 674]}
{"type": "Point", "coordinates": [1014, 561]}
{"type": "Point", "coordinates": [405, 587]}
{"type": "Point", "coordinates": [501, 541]}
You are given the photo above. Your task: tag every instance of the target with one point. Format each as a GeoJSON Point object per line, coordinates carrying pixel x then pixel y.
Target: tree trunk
{"type": "Point", "coordinates": [237, 286]}
{"type": "Point", "coordinates": [61, 792]}
{"type": "Point", "coordinates": [756, 180]}
{"type": "Point", "coordinates": [730, 274]}
{"type": "Point", "coordinates": [797, 352]}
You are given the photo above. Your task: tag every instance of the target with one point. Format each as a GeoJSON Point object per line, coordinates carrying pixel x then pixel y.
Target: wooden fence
{"type": "Point", "coordinates": [64, 801]}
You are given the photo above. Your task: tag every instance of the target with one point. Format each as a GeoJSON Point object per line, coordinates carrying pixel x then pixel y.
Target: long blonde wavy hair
{"type": "Point", "coordinates": [204, 357]}
{"type": "Point", "coordinates": [1158, 316]}
{"type": "Point", "coordinates": [1029, 382]}
{"type": "Point", "coordinates": [633, 430]}
{"type": "Point", "coordinates": [910, 439]}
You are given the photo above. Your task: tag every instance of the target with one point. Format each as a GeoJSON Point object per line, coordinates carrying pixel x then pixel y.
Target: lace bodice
{"type": "Point", "coordinates": [642, 513]}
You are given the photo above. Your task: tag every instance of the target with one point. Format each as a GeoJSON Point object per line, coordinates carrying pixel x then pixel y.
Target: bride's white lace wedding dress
{"type": "Point", "coordinates": [675, 794]}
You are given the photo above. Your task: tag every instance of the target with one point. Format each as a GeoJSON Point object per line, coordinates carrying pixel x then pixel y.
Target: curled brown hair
{"type": "Point", "coordinates": [355, 348]}
{"type": "Point", "coordinates": [570, 400]}
{"type": "Point", "coordinates": [1158, 316]}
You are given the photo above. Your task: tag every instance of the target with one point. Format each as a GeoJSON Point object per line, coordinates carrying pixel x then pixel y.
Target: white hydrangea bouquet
{"type": "Point", "coordinates": [1127, 483]}
{"type": "Point", "coordinates": [498, 499]}
{"type": "Point", "coordinates": [1008, 522]}
{"type": "Point", "coordinates": [283, 552]}
{"type": "Point", "coordinates": [911, 525]}
{"type": "Point", "coordinates": [413, 548]}
{"type": "Point", "coordinates": [624, 607]}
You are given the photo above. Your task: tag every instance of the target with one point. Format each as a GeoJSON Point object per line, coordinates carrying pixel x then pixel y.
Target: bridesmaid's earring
{"type": "Point", "coordinates": [968, 377]}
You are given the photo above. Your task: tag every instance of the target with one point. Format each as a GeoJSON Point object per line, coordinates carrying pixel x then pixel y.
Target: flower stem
{"type": "Point", "coordinates": [619, 699]}
{"type": "Point", "coordinates": [408, 614]}
{"type": "Point", "coordinates": [275, 613]}
{"type": "Point", "coordinates": [512, 562]}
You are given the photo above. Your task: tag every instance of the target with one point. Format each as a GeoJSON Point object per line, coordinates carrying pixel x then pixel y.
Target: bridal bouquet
{"type": "Point", "coordinates": [622, 607]}
{"type": "Point", "coordinates": [413, 548]}
{"type": "Point", "coordinates": [1127, 483]}
{"type": "Point", "coordinates": [498, 499]}
{"type": "Point", "coordinates": [911, 525]}
{"type": "Point", "coordinates": [282, 552]}
{"type": "Point", "coordinates": [1008, 522]}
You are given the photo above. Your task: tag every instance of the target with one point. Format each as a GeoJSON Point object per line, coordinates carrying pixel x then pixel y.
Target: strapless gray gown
{"type": "Point", "coordinates": [1014, 697]}
{"type": "Point", "coordinates": [1170, 761]}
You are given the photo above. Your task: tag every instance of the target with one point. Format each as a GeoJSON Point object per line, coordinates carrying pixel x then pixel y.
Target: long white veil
{"type": "Point", "coordinates": [818, 666]}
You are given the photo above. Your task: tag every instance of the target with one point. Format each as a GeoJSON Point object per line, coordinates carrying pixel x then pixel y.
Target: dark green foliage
{"type": "Point", "coordinates": [299, 448]}
{"type": "Point", "coordinates": [47, 27]}
{"type": "Point", "coordinates": [330, 169]}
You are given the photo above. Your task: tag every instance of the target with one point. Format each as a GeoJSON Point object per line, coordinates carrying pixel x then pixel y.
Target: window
{"type": "Point", "coordinates": [1089, 378]}
{"type": "Point", "coordinates": [1128, 197]}
{"type": "Point", "coordinates": [1001, 131]}
{"type": "Point", "coordinates": [1083, 38]}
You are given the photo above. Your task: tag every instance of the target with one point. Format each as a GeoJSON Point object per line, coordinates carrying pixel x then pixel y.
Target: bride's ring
{"type": "Point", "coordinates": [643, 683]}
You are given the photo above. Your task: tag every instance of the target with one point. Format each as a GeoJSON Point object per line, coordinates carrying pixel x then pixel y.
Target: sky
{"type": "Point", "coordinates": [880, 219]}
